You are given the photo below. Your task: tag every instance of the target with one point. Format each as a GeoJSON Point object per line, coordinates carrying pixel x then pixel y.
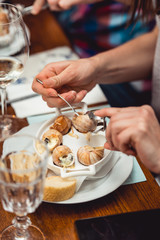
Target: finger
{"type": "Point", "coordinates": [120, 124]}
{"type": "Point", "coordinates": [79, 96]}
{"type": "Point", "coordinates": [38, 4]}
{"type": "Point", "coordinates": [60, 74]}
{"type": "Point", "coordinates": [72, 97]}
{"type": "Point", "coordinates": [54, 5]}
{"type": "Point", "coordinates": [124, 141]}
{"type": "Point", "coordinates": [114, 128]}
{"type": "Point", "coordinates": [109, 137]}
{"type": "Point", "coordinates": [39, 88]}
{"type": "Point", "coordinates": [47, 72]}
{"type": "Point", "coordinates": [58, 102]}
{"type": "Point", "coordinates": [57, 81]}
{"type": "Point", "coordinates": [69, 3]}
{"type": "Point", "coordinates": [107, 146]}
{"type": "Point", "coordinates": [44, 98]}
{"type": "Point", "coordinates": [109, 112]}
{"type": "Point", "coordinates": [106, 112]}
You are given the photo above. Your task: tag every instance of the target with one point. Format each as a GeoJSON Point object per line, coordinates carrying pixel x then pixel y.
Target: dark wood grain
{"type": "Point", "coordinates": [44, 35]}
{"type": "Point", "coordinates": [57, 220]}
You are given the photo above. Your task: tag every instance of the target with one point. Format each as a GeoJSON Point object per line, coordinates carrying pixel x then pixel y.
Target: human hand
{"type": "Point", "coordinates": [38, 4]}
{"type": "Point", "coordinates": [59, 5]}
{"type": "Point", "coordinates": [71, 79]}
{"type": "Point", "coordinates": [134, 131]}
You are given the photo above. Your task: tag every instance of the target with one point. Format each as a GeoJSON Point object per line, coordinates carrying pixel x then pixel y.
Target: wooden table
{"type": "Point", "coordinates": [57, 220]}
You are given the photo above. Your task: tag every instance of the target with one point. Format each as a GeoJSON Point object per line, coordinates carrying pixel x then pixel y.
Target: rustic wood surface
{"type": "Point", "coordinates": [57, 220]}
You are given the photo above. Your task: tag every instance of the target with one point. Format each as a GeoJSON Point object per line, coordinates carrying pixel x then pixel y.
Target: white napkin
{"type": "Point", "coordinates": [22, 87]}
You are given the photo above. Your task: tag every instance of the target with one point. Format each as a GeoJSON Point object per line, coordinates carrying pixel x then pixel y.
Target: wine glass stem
{"type": "Point", "coordinates": [3, 101]}
{"type": "Point", "coordinates": [21, 223]}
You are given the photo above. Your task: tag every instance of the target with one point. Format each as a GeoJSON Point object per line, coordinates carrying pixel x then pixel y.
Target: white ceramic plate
{"type": "Point", "coordinates": [94, 189]}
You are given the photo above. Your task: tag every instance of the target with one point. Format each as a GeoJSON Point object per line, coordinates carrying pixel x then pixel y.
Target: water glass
{"type": "Point", "coordinates": [22, 175]}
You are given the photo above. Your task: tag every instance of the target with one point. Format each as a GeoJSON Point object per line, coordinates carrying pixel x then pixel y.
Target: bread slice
{"type": "Point", "coordinates": [58, 189]}
{"type": "Point", "coordinates": [22, 161]}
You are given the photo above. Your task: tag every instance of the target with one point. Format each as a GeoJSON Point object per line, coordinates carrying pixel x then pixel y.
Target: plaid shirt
{"type": "Point", "coordinates": [98, 27]}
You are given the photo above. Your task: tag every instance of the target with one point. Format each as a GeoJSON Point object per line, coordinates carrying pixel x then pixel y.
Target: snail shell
{"type": "Point", "coordinates": [62, 124]}
{"type": "Point", "coordinates": [53, 138]}
{"type": "Point", "coordinates": [83, 123]}
{"type": "Point", "coordinates": [88, 155]}
{"type": "Point", "coordinates": [62, 156]}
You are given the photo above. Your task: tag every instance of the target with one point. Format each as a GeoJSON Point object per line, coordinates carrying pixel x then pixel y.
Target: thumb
{"type": "Point", "coordinates": [57, 81]}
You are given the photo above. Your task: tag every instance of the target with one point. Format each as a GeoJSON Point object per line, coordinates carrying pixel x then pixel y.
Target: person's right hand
{"type": "Point", "coordinates": [72, 79]}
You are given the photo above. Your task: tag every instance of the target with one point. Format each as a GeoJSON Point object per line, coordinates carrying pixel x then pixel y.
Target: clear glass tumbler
{"type": "Point", "coordinates": [22, 174]}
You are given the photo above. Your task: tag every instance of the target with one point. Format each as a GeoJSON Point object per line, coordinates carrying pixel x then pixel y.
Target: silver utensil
{"type": "Point", "coordinates": [97, 120]}
{"type": "Point", "coordinates": [27, 10]}
{"type": "Point", "coordinates": [68, 104]}
{"type": "Point", "coordinates": [38, 80]}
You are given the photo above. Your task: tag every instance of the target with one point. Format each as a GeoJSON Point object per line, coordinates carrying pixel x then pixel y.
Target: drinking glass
{"type": "Point", "coordinates": [22, 174]}
{"type": "Point", "coordinates": [14, 52]}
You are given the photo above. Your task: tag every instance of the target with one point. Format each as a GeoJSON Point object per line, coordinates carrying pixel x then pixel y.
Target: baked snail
{"type": "Point", "coordinates": [88, 155]}
{"type": "Point", "coordinates": [62, 156]}
{"type": "Point", "coordinates": [83, 123]}
{"type": "Point", "coordinates": [53, 138]}
{"type": "Point", "coordinates": [62, 124]}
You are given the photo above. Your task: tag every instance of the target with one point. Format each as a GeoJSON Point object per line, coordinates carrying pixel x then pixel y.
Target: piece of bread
{"type": "Point", "coordinates": [22, 161]}
{"type": "Point", "coordinates": [57, 189]}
